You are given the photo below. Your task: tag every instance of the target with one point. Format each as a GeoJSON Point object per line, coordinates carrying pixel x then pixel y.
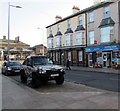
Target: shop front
{"type": "Point", "coordinates": [103, 56]}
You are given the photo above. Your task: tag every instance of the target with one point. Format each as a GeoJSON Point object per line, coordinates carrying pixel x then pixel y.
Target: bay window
{"type": "Point", "coordinates": [68, 40]}
{"type": "Point", "coordinates": [58, 41]}
{"type": "Point", "coordinates": [50, 43]}
{"type": "Point", "coordinates": [106, 34]}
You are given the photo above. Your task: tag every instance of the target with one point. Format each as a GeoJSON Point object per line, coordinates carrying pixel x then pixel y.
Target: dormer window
{"type": "Point", "coordinates": [106, 12]}
{"type": "Point", "coordinates": [68, 24]}
{"type": "Point", "coordinates": [80, 20]}
{"type": "Point", "coordinates": [58, 28]}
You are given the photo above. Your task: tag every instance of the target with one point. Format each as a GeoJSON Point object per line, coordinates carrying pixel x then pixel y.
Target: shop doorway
{"type": "Point", "coordinates": [106, 59]}
{"type": "Point", "coordinates": [90, 61]}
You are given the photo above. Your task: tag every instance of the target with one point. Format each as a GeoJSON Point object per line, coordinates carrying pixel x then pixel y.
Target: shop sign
{"type": "Point", "coordinates": [102, 48]}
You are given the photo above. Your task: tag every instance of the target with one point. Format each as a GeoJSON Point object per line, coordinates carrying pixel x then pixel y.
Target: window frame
{"type": "Point", "coordinates": [91, 42]}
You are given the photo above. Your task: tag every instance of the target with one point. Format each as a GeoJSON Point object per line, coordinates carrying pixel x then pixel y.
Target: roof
{"type": "Point", "coordinates": [107, 21]}
{"type": "Point", "coordinates": [12, 42]}
{"type": "Point", "coordinates": [82, 11]}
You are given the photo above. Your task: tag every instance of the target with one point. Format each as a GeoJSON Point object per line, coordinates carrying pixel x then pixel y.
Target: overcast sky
{"type": "Point", "coordinates": [33, 14]}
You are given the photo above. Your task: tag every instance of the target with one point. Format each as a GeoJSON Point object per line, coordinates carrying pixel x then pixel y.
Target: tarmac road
{"type": "Point", "coordinates": [101, 80]}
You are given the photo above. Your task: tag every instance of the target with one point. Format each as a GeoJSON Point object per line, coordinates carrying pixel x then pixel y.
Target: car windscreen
{"type": "Point", "coordinates": [14, 64]}
{"type": "Point", "coordinates": [41, 61]}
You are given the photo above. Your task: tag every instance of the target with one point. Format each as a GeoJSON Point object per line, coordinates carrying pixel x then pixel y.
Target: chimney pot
{"type": "Point", "coordinates": [75, 9]}
{"type": "Point", "coordinates": [58, 18]}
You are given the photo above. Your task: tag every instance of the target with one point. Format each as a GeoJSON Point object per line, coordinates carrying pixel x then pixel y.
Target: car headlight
{"type": "Point", "coordinates": [9, 69]}
{"type": "Point", "coordinates": [41, 71]}
{"type": "Point", "coordinates": [62, 70]}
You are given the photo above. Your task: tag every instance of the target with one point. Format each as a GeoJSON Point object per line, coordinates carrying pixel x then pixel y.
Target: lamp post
{"type": "Point", "coordinates": [8, 47]}
{"type": "Point", "coordinates": [43, 38]}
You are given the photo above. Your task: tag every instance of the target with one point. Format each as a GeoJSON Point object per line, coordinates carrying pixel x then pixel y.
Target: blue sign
{"type": "Point", "coordinates": [102, 48]}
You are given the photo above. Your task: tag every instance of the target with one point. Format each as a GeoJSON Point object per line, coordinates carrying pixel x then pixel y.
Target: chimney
{"type": "Point", "coordinates": [75, 9]}
{"type": "Point", "coordinates": [4, 37]}
{"type": "Point", "coordinates": [58, 18]}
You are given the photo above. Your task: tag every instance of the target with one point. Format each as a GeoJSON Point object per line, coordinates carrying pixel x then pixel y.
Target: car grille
{"type": "Point", "coordinates": [52, 71]}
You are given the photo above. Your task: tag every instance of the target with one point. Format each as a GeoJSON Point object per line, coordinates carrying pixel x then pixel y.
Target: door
{"type": "Point", "coordinates": [90, 61]}
{"type": "Point", "coordinates": [106, 59]}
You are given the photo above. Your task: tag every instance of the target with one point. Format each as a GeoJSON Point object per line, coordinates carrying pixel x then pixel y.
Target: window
{"type": "Point", "coordinates": [68, 23]}
{"type": "Point", "coordinates": [91, 17]}
{"type": "Point", "coordinates": [69, 56]}
{"type": "Point", "coordinates": [56, 56]}
{"type": "Point", "coordinates": [107, 12]}
{"type": "Point", "coordinates": [50, 43]}
{"type": "Point", "coordinates": [58, 27]}
{"type": "Point", "coordinates": [58, 41]}
{"type": "Point", "coordinates": [91, 37]}
{"type": "Point", "coordinates": [67, 40]}
{"type": "Point", "coordinates": [80, 20]}
{"type": "Point", "coordinates": [78, 38]}
{"type": "Point", "coordinates": [106, 34]}
{"type": "Point", "coordinates": [80, 54]}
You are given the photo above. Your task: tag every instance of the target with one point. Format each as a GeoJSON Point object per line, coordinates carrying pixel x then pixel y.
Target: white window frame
{"type": "Point", "coordinates": [50, 42]}
{"type": "Point", "coordinates": [106, 12]}
{"type": "Point", "coordinates": [79, 38]}
{"type": "Point", "coordinates": [68, 23]}
{"type": "Point", "coordinates": [67, 40]}
{"type": "Point", "coordinates": [91, 17]}
{"type": "Point", "coordinates": [106, 35]}
{"type": "Point", "coordinates": [91, 37]}
{"type": "Point", "coordinates": [80, 21]}
{"type": "Point", "coordinates": [58, 41]}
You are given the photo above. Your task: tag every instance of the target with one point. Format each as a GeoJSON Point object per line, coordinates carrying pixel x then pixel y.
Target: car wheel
{"type": "Point", "coordinates": [60, 80]}
{"type": "Point", "coordinates": [6, 73]}
{"type": "Point", "coordinates": [22, 77]}
{"type": "Point", "coordinates": [35, 82]}
{"type": "Point", "coordinates": [2, 72]}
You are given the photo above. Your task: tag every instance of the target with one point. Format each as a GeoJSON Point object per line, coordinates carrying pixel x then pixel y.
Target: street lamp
{"type": "Point", "coordinates": [8, 47]}
{"type": "Point", "coordinates": [43, 38]}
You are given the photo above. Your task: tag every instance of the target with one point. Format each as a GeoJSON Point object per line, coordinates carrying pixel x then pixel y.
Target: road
{"type": "Point", "coordinates": [94, 79]}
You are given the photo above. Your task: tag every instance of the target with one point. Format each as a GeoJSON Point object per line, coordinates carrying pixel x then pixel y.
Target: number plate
{"type": "Point", "coordinates": [53, 75]}
{"type": "Point", "coordinates": [17, 70]}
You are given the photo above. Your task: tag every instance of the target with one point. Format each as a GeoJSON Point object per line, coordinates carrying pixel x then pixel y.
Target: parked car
{"type": "Point", "coordinates": [38, 69]}
{"type": "Point", "coordinates": [11, 68]}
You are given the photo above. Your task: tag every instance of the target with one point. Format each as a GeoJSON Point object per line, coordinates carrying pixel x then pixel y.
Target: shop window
{"type": "Point", "coordinates": [80, 56]}
{"type": "Point", "coordinates": [69, 56]}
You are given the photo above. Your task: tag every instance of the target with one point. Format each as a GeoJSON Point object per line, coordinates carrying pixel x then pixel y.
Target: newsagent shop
{"type": "Point", "coordinates": [103, 56]}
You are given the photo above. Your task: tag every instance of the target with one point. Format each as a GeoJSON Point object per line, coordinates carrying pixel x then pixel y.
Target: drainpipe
{"type": "Point", "coordinates": [86, 60]}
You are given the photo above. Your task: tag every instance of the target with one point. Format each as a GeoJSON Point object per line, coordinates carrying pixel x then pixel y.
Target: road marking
{"type": "Point", "coordinates": [114, 79]}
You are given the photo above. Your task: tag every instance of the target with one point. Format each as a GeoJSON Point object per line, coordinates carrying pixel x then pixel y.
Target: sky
{"type": "Point", "coordinates": [24, 22]}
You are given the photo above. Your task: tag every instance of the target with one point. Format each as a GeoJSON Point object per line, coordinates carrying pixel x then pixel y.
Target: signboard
{"type": "Point", "coordinates": [102, 48]}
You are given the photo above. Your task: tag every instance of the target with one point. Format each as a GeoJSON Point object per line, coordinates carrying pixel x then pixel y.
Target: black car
{"type": "Point", "coordinates": [11, 68]}
{"type": "Point", "coordinates": [39, 69]}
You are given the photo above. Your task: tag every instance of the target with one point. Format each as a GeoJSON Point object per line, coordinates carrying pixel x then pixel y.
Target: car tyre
{"type": "Point", "coordinates": [35, 81]}
{"type": "Point", "coordinates": [60, 80]}
{"type": "Point", "coordinates": [22, 77]}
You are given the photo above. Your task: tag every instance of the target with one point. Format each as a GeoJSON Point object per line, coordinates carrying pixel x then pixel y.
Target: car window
{"type": "Point", "coordinates": [41, 61]}
{"type": "Point", "coordinates": [14, 64]}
